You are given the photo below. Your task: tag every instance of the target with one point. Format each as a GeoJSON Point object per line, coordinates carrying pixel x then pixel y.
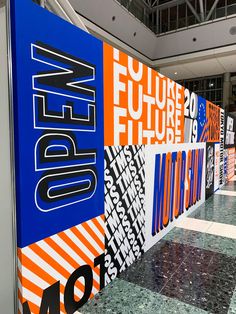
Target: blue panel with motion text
{"type": "Point", "coordinates": [58, 116]}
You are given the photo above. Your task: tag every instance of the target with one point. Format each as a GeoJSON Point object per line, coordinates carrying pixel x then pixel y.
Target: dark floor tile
{"type": "Point", "coordinates": [195, 266]}
{"type": "Point", "coordinates": [157, 265]}
{"type": "Point", "coordinates": [202, 290]}
{"type": "Point", "coordinates": [223, 266]}
{"type": "Point", "coordinates": [199, 277]}
{"type": "Point", "coordinates": [168, 251]}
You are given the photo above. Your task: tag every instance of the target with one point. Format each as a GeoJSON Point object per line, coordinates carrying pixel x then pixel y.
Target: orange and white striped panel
{"type": "Point", "coordinates": [55, 258]}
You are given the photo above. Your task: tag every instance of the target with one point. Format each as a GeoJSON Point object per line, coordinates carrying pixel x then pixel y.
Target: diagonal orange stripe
{"type": "Point", "coordinates": [33, 307]}
{"type": "Point", "coordinates": [30, 265]}
{"type": "Point", "coordinates": [19, 253]}
{"type": "Point", "coordinates": [80, 236]}
{"type": "Point", "coordinates": [32, 287]}
{"type": "Point", "coordinates": [26, 262]}
{"type": "Point", "coordinates": [20, 297]}
{"type": "Point", "coordinates": [49, 260]}
{"type": "Point", "coordinates": [19, 274]}
{"type": "Point", "coordinates": [67, 257]}
{"type": "Point", "coordinates": [62, 252]}
{"type": "Point", "coordinates": [97, 224]}
{"type": "Point", "coordinates": [36, 290]}
{"type": "Point", "coordinates": [62, 287]}
{"type": "Point", "coordinates": [93, 235]}
{"type": "Point", "coordinates": [74, 247]}
{"type": "Point", "coordinates": [45, 276]}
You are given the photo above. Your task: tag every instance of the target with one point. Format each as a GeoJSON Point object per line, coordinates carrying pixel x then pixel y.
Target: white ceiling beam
{"type": "Point", "coordinates": [75, 18]}
{"type": "Point", "coordinates": [155, 2]}
{"type": "Point", "coordinates": [202, 14]}
{"type": "Point", "coordinates": [146, 4]}
{"type": "Point", "coordinates": [193, 10]}
{"type": "Point", "coordinates": [53, 6]}
{"type": "Point", "coordinates": [168, 4]}
{"type": "Point", "coordinates": [212, 9]}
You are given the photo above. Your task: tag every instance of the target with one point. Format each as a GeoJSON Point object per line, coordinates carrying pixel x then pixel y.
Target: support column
{"type": "Point", "coordinates": [8, 286]}
{"type": "Point", "coordinates": [226, 91]}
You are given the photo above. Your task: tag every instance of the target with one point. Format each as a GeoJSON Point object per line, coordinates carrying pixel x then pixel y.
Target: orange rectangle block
{"type": "Point", "coordinates": [213, 116]}
{"type": "Point", "coordinates": [141, 106]}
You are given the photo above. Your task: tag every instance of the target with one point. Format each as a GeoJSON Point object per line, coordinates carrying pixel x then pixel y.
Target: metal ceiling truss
{"type": "Point", "coordinates": [201, 16]}
{"type": "Point", "coordinates": [150, 3]}
{"type": "Point", "coordinates": [64, 9]}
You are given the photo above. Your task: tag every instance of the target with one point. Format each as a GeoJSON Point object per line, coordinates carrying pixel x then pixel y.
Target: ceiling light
{"type": "Point", "coordinates": [176, 73]}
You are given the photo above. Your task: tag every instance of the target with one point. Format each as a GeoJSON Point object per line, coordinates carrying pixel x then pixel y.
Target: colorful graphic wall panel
{"type": "Point", "coordinates": [85, 211]}
{"type": "Point", "coordinates": [213, 121]}
{"type": "Point", "coordinates": [230, 129]}
{"type": "Point", "coordinates": [60, 273]}
{"type": "Point", "coordinates": [202, 120]}
{"type": "Point", "coordinates": [58, 124]}
{"type": "Point", "coordinates": [175, 185]}
{"type": "Point", "coordinates": [225, 165]}
{"type": "Point", "coordinates": [222, 119]}
{"type": "Point", "coordinates": [59, 153]}
{"type": "Point", "coordinates": [195, 118]}
{"type": "Point", "coordinates": [230, 162]}
{"type": "Point", "coordinates": [141, 106]}
{"type": "Point", "coordinates": [124, 207]}
{"type": "Point", "coordinates": [210, 168]}
{"type": "Point", "coordinates": [216, 166]}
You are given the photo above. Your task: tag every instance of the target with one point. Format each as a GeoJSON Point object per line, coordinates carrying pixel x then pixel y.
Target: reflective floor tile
{"type": "Point", "coordinates": [202, 278]}
{"type": "Point", "coordinates": [209, 293]}
{"type": "Point", "coordinates": [232, 307]}
{"type": "Point", "coordinates": [218, 208]}
{"type": "Point", "coordinates": [184, 236]}
{"type": "Point", "coordinates": [217, 244]}
{"type": "Point", "coordinates": [203, 240]}
{"type": "Point", "coordinates": [157, 265]}
{"type": "Point", "coordinates": [224, 192]}
{"type": "Point", "coordinates": [224, 267]}
{"type": "Point", "coordinates": [230, 186]}
{"type": "Point", "coordinates": [122, 297]}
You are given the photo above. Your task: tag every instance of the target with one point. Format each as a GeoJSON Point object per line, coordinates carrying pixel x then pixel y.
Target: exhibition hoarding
{"type": "Point", "coordinates": [109, 154]}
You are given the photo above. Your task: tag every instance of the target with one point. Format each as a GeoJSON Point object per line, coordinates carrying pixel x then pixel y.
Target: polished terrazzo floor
{"type": "Point", "coordinates": [186, 272]}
